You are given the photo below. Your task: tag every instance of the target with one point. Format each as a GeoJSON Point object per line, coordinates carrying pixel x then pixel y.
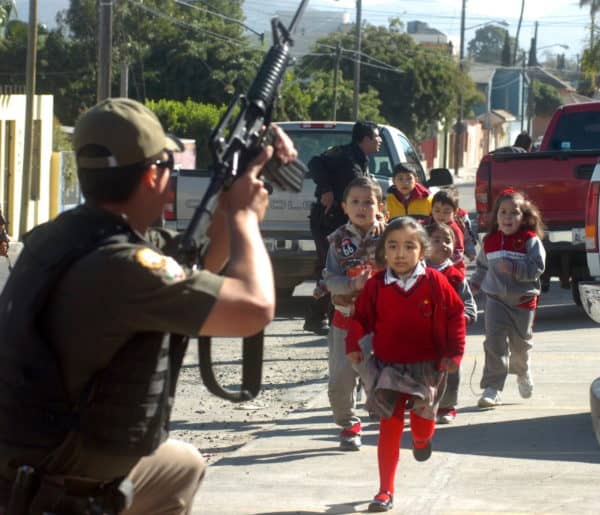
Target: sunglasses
{"type": "Point", "coordinates": [167, 163]}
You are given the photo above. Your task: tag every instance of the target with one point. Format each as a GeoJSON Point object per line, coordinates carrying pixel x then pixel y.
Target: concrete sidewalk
{"type": "Point", "coordinates": [528, 456]}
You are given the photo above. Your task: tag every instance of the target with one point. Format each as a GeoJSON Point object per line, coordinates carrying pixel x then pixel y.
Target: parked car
{"type": "Point", "coordinates": [286, 228]}
{"type": "Point", "coordinates": [556, 179]}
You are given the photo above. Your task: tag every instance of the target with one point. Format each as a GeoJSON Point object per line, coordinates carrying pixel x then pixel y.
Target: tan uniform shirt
{"type": "Point", "coordinates": [103, 300]}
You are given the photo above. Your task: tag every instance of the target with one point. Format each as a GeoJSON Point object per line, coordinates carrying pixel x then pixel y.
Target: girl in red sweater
{"type": "Point", "coordinates": [418, 325]}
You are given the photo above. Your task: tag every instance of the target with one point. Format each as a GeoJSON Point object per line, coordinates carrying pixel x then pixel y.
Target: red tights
{"type": "Point", "coordinates": [388, 445]}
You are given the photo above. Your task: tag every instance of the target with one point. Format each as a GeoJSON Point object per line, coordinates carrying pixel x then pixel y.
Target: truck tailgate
{"type": "Point", "coordinates": [554, 181]}
{"type": "Point", "coordinates": [286, 217]}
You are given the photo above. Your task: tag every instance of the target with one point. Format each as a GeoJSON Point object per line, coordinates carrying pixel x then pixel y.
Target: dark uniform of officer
{"type": "Point", "coordinates": [89, 366]}
{"type": "Point", "coordinates": [332, 171]}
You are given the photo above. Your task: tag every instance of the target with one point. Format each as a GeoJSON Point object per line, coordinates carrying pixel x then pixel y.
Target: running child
{"type": "Point", "coordinates": [408, 367]}
{"type": "Point", "coordinates": [350, 261]}
{"type": "Point", "coordinates": [407, 197]}
{"type": "Point", "coordinates": [442, 248]}
{"type": "Point", "coordinates": [443, 211]}
{"type": "Point", "coordinates": [508, 271]}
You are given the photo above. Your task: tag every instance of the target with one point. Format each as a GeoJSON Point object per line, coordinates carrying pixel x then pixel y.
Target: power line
{"type": "Point", "coordinates": [261, 35]}
{"type": "Point", "coordinates": [186, 25]}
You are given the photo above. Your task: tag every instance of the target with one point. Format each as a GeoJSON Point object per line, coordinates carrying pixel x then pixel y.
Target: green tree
{"type": "Point", "coordinates": [173, 51]}
{"type": "Point", "coordinates": [313, 98]}
{"type": "Point", "coordinates": [417, 85]}
{"type": "Point", "coordinates": [590, 62]}
{"type": "Point", "coordinates": [189, 119]}
{"type": "Point", "coordinates": [507, 58]}
{"type": "Point", "coordinates": [488, 43]}
{"type": "Point", "coordinates": [594, 7]}
{"type": "Point", "coordinates": [546, 98]}
{"type": "Point", "coordinates": [590, 66]}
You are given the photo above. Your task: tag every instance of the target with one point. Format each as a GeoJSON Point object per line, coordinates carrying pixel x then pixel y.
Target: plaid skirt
{"type": "Point", "coordinates": [386, 383]}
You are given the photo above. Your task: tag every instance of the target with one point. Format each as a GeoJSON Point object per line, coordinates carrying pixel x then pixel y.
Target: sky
{"type": "Point", "coordinates": [560, 21]}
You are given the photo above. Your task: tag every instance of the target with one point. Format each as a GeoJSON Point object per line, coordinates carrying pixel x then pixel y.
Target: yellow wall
{"type": "Point", "coordinates": [12, 121]}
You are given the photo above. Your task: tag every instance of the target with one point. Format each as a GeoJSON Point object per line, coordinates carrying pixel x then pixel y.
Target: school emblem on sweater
{"type": "Point", "coordinates": [348, 248]}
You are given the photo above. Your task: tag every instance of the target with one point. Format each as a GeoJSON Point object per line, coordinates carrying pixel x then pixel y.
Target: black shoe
{"type": "Point", "coordinates": [383, 501]}
{"type": "Point", "coordinates": [422, 453]}
{"type": "Point", "coordinates": [320, 327]}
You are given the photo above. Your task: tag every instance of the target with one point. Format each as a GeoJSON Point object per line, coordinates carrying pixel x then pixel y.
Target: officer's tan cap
{"type": "Point", "coordinates": [128, 130]}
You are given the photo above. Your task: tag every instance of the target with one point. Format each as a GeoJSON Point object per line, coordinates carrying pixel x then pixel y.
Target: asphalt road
{"type": "Point", "coordinates": [536, 456]}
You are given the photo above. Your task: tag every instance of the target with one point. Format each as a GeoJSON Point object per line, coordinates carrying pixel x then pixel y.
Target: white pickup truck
{"type": "Point", "coordinates": [286, 226]}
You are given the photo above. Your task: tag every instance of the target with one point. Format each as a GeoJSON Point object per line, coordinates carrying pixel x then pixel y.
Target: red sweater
{"type": "Point", "coordinates": [454, 275]}
{"type": "Point", "coordinates": [425, 323]}
{"type": "Point", "coordinates": [458, 257]}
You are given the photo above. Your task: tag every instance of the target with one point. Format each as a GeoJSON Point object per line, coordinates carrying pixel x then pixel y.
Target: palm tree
{"type": "Point", "coordinates": [7, 7]}
{"type": "Point", "coordinates": [594, 7]}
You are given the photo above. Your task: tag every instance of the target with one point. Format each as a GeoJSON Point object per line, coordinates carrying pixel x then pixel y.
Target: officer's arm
{"type": "Point", "coordinates": [246, 300]}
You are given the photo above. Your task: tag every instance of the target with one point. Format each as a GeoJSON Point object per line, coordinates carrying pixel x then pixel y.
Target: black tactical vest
{"type": "Point", "coordinates": [126, 407]}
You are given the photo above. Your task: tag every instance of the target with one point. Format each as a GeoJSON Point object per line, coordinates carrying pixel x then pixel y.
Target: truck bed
{"type": "Point", "coordinates": [555, 181]}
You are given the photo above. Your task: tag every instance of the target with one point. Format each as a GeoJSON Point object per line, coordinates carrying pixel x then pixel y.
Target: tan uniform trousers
{"type": "Point", "coordinates": [166, 481]}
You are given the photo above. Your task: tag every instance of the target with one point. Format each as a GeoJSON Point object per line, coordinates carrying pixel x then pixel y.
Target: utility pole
{"type": "Point", "coordinates": [523, 78]}
{"type": "Point", "coordinates": [459, 128]}
{"type": "Point", "coordinates": [30, 92]}
{"type": "Point", "coordinates": [104, 49]}
{"type": "Point", "coordinates": [336, 71]}
{"type": "Point", "coordinates": [124, 85]}
{"type": "Point", "coordinates": [357, 60]}
{"type": "Point", "coordinates": [516, 49]}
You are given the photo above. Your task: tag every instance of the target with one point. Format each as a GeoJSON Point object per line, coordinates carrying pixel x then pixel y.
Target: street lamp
{"type": "Point", "coordinates": [535, 50]}
{"type": "Point", "coordinates": [503, 23]}
{"type": "Point", "coordinates": [564, 47]}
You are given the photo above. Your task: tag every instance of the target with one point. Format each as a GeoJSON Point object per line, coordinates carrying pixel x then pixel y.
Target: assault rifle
{"type": "Point", "coordinates": [238, 138]}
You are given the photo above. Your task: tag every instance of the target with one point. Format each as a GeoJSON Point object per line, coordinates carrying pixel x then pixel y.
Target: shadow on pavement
{"type": "Point", "coordinates": [540, 438]}
{"type": "Point", "coordinates": [333, 509]}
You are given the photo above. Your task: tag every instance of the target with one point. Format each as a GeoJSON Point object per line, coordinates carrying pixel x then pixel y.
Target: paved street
{"type": "Point", "coordinates": [528, 456]}
{"type": "Point", "coordinates": [13, 252]}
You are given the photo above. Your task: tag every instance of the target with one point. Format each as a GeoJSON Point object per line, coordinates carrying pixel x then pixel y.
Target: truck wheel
{"type": "Point", "coordinates": [575, 292]}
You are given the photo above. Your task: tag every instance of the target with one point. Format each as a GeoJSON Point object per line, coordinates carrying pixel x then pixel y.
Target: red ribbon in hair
{"type": "Point", "coordinates": [508, 191]}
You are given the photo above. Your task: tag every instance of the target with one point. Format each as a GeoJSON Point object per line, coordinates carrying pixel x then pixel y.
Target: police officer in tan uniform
{"type": "Point", "coordinates": [89, 364]}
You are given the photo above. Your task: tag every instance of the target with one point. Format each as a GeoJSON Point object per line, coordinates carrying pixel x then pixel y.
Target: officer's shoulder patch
{"type": "Point", "coordinates": [163, 266]}
{"type": "Point", "coordinates": [149, 258]}
{"type": "Point", "coordinates": [172, 270]}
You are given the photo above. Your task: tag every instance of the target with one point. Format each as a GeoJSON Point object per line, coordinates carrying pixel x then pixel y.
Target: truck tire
{"type": "Point", "coordinates": [578, 274]}
{"type": "Point", "coordinates": [575, 292]}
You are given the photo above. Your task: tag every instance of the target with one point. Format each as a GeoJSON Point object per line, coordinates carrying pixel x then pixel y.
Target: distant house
{"type": "Point", "coordinates": [425, 35]}
{"type": "Point", "coordinates": [508, 89]}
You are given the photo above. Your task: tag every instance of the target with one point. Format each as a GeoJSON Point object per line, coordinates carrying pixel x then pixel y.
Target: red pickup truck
{"type": "Point", "coordinates": [556, 179]}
